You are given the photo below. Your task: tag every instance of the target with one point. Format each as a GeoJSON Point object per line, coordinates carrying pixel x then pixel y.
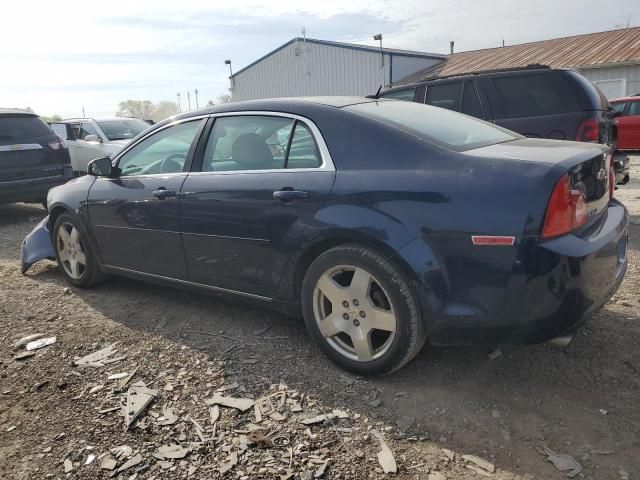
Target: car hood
{"type": "Point", "coordinates": [115, 145]}
{"type": "Point", "coordinates": [557, 152]}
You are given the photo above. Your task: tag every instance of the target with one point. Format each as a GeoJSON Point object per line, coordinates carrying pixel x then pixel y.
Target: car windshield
{"type": "Point", "coordinates": [448, 129]}
{"type": "Point", "coordinates": [124, 129]}
{"type": "Point", "coordinates": [617, 106]}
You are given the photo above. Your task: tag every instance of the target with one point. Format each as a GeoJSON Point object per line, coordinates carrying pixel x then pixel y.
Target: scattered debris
{"type": "Point", "coordinates": [480, 462]}
{"type": "Point", "coordinates": [38, 344]}
{"type": "Point", "coordinates": [324, 417]}
{"type": "Point", "coordinates": [320, 471]}
{"type": "Point", "coordinates": [139, 397]}
{"type": "Point", "coordinates": [90, 459]}
{"type": "Point", "coordinates": [125, 381]}
{"type": "Point", "coordinates": [232, 461]}
{"type": "Point", "coordinates": [132, 462]}
{"type": "Point", "coordinates": [24, 340]}
{"type": "Point", "coordinates": [169, 417]}
{"type": "Point", "coordinates": [23, 355]}
{"type": "Point", "coordinates": [448, 453]}
{"type": "Point", "coordinates": [173, 451]}
{"type": "Point", "coordinates": [436, 476]}
{"type": "Point", "coordinates": [385, 456]}
{"type": "Point", "coordinates": [405, 423]}
{"type": "Point", "coordinates": [11, 428]}
{"type": "Point", "coordinates": [68, 466]}
{"type": "Point", "coordinates": [241, 404]}
{"type": "Point", "coordinates": [96, 359]}
{"type": "Point", "coordinates": [603, 411]}
{"type": "Point", "coordinates": [108, 463]}
{"type": "Point", "coordinates": [122, 451]}
{"type": "Point", "coordinates": [117, 376]}
{"type": "Point", "coordinates": [563, 462]}
{"type": "Point", "coordinates": [214, 413]}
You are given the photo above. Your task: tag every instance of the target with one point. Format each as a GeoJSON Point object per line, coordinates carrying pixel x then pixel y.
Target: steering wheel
{"type": "Point", "coordinates": [169, 165]}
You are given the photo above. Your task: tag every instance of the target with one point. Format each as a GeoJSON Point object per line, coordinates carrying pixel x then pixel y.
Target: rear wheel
{"type": "Point", "coordinates": [73, 251]}
{"type": "Point", "coordinates": [361, 311]}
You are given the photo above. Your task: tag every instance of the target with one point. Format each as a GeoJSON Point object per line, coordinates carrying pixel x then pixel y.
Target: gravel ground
{"type": "Point", "coordinates": [582, 402]}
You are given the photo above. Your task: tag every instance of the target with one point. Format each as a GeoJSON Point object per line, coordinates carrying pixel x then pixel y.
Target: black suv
{"type": "Point", "coordinates": [535, 101]}
{"type": "Point", "coordinates": [32, 158]}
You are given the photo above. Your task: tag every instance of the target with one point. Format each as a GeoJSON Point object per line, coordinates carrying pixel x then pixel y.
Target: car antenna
{"type": "Point", "coordinates": [377, 95]}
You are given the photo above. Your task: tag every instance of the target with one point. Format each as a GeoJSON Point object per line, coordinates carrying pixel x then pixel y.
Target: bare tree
{"type": "Point", "coordinates": [164, 109]}
{"type": "Point", "coordinates": [224, 98]}
{"type": "Point", "coordinates": [142, 109]}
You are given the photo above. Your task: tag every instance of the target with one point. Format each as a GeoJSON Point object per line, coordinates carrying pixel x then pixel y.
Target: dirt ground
{"type": "Point", "coordinates": [584, 402]}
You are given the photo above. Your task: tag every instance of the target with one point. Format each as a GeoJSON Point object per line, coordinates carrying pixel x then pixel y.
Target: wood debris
{"type": "Point", "coordinates": [41, 343]}
{"type": "Point", "coordinates": [24, 340]}
{"type": "Point", "coordinates": [385, 455]}
{"type": "Point", "coordinates": [241, 404]}
{"type": "Point", "coordinates": [96, 359]}
{"type": "Point", "coordinates": [480, 462]}
{"type": "Point", "coordinates": [139, 397]}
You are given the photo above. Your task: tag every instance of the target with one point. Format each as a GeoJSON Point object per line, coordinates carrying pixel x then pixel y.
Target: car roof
{"type": "Point", "coordinates": [16, 111]}
{"type": "Point", "coordinates": [100, 119]}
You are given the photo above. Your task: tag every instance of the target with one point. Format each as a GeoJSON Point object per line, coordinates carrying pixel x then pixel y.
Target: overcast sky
{"type": "Point", "coordinates": [56, 58]}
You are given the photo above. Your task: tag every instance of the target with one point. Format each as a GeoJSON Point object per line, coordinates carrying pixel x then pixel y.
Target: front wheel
{"type": "Point", "coordinates": [360, 310]}
{"type": "Point", "coordinates": [74, 254]}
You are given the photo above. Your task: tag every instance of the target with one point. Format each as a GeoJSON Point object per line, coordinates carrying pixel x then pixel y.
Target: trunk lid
{"type": "Point", "coordinates": [588, 165]}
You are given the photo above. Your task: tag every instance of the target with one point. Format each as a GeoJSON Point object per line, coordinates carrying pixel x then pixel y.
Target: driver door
{"type": "Point", "coordinates": [135, 216]}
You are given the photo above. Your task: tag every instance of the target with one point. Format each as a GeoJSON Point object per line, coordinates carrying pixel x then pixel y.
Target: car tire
{"type": "Point", "coordinates": [382, 329]}
{"type": "Point", "coordinates": [75, 256]}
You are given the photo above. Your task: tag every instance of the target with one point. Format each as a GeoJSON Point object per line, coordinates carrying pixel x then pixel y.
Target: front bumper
{"type": "Point", "coordinates": [37, 245]}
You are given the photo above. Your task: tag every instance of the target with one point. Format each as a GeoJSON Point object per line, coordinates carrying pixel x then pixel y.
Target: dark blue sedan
{"type": "Point", "coordinates": [383, 223]}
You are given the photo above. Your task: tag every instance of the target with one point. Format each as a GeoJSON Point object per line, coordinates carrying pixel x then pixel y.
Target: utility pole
{"type": "Point", "coordinates": [83, 115]}
{"type": "Point", "coordinates": [197, 99]}
{"type": "Point", "coordinates": [189, 99]}
{"type": "Point", "coordinates": [378, 36]}
{"type": "Point", "coordinates": [179, 106]}
{"type": "Point", "coordinates": [233, 80]}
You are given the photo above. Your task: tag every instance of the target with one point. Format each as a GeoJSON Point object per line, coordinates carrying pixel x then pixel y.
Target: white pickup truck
{"type": "Point", "coordinates": [90, 138]}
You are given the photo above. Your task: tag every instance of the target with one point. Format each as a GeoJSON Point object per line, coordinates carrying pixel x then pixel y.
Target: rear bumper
{"type": "Point", "coordinates": [553, 288]}
{"type": "Point", "coordinates": [32, 189]}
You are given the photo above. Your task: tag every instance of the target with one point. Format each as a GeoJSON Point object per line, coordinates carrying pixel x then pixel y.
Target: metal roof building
{"type": "Point", "coordinates": [305, 66]}
{"type": "Point", "coordinates": [609, 59]}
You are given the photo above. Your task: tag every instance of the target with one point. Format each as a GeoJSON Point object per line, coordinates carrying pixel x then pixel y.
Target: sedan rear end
{"type": "Point", "coordinates": [32, 158]}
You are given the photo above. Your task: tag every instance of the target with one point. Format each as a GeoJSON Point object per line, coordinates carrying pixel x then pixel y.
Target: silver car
{"type": "Point", "coordinates": [90, 138]}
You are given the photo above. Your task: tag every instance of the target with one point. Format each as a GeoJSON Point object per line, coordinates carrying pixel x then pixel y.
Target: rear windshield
{"type": "Point", "coordinates": [21, 128]}
{"type": "Point", "coordinates": [448, 129]}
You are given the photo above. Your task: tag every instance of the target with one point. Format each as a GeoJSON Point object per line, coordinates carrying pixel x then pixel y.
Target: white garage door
{"type": "Point", "coordinates": [612, 88]}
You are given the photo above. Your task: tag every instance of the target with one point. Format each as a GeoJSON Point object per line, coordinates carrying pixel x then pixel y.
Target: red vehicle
{"type": "Point", "coordinates": [628, 121]}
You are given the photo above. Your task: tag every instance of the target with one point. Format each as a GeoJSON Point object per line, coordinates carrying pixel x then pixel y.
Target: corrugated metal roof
{"type": "Point", "coordinates": [580, 51]}
{"type": "Point", "coordinates": [353, 46]}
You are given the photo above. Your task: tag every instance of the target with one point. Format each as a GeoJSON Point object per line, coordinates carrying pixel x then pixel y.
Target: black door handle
{"type": "Point", "coordinates": [287, 196]}
{"type": "Point", "coordinates": [161, 193]}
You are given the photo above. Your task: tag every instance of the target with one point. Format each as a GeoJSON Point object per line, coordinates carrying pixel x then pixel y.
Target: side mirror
{"type": "Point", "coordinates": [92, 138]}
{"type": "Point", "coordinates": [100, 167]}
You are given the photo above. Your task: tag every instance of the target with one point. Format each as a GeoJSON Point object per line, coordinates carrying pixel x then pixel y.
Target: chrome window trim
{"type": "Point", "coordinates": [327, 164]}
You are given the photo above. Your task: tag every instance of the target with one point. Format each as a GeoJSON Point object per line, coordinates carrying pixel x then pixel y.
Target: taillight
{"type": "Point", "coordinates": [588, 131]}
{"type": "Point", "coordinates": [59, 144]}
{"type": "Point", "coordinates": [567, 210]}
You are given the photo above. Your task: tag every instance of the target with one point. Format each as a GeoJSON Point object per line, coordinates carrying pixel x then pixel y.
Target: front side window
{"type": "Point", "coordinates": [535, 94]}
{"type": "Point", "coordinates": [448, 129]}
{"type": "Point", "coordinates": [445, 95]}
{"type": "Point", "coordinates": [255, 142]}
{"type": "Point", "coordinates": [163, 152]}
{"type": "Point", "coordinates": [407, 94]}
{"type": "Point", "coordinates": [87, 129]}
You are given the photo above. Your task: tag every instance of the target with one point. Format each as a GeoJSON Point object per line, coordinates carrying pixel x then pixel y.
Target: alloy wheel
{"type": "Point", "coordinates": [71, 253]}
{"type": "Point", "coordinates": [354, 313]}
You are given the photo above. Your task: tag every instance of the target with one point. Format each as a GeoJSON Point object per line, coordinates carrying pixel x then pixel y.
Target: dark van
{"type": "Point", "coordinates": [32, 158]}
{"type": "Point", "coordinates": [537, 101]}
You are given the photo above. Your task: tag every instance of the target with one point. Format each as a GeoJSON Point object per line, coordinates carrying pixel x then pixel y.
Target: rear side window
{"type": "Point", "coordinates": [407, 94]}
{"type": "Point", "coordinates": [450, 130]}
{"type": "Point", "coordinates": [535, 94]}
{"type": "Point", "coordinates": [21, 128]}
{"type": "Point", "coordinates": [471, 101]}
{"type": "Point", "coordinates": [445, 95]}
{"type": "Point", "coordinates": [634, 108]}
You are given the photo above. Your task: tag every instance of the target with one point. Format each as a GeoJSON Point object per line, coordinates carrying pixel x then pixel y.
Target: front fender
{"type": "Point", "coordinates": [37, 245]}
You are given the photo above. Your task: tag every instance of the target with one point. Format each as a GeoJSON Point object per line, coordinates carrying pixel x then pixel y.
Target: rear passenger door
{"type": "Point", "coordinates": [535, 104]}
{"type": "Point", "coordinates": [259, 180]}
